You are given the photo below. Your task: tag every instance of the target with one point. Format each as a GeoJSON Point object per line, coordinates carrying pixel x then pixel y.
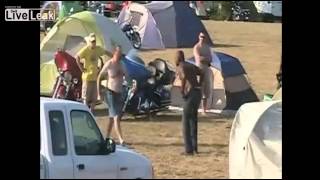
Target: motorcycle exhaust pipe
{"type": "Point", "coordinates": [57, 87]}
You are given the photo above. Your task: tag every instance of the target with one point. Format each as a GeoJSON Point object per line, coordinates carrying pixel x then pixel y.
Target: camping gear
{"type": "Point", "coordinates": [165, 24]}
{"type": "Point", "coordinates": [255, 146]}
{"type": "Point", "coordinates": [151, 91]}
{"type": "Point", "coordinates": [230, 89]}
{"type": "Point", "coordinates": [68, 34]}
{"type": "Point", "coordinates": [68, 84]}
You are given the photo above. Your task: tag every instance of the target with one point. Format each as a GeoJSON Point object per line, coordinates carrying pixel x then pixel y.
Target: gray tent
{"type": "Point", "coordinates": [164, 24]}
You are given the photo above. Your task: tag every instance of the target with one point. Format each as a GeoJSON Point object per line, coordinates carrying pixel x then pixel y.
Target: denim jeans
{"type": "Point", "coordinates": [190, 120]}
{"type": "Point", "coordinates": [115, 103]}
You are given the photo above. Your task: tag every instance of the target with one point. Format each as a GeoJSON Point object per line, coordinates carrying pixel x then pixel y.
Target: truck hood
{"type": "Point", "coordinates": [133, 164]}
{"type": "Point", "coordinates": [130, 153]}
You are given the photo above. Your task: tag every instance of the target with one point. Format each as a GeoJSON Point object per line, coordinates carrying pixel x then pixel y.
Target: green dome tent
{"type": "Point", "coordinates": [68, 34]}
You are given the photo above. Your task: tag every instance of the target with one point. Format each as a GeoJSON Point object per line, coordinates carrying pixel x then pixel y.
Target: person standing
{"type": "Point", "coordinates": [191, 93]}
{"type": "Point", "coordinates": [203, 58]}
{"type": "Point", "coordinates": [90, 55]}
{"type": "Point", "coordinates": [114, 72]}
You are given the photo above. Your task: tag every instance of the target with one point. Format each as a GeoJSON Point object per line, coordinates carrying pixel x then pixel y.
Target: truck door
{"type": "Point", "coordinates": [59, 159]}
{"type": "Point", "coordinates": [91, 160]}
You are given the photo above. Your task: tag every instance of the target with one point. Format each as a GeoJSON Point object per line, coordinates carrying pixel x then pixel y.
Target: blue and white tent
{"type": "Point", "coordinates": [230, 89]}
{"type": "Point", "coordinates": [164, 24]}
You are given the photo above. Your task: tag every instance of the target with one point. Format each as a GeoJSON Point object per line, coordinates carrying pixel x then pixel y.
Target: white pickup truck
{"type": "Point", "coordinates": [72, 146]}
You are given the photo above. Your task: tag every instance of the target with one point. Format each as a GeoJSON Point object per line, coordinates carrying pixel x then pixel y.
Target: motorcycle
{"type": "Point", "coordinates": [132, 35]}
{"type": "Point", "coordinates": [105, 8]}
{"type": "Point", "coordinates": [150, 91]}
{"type": "Point", "coordinates": [96, 6]}
{"type": "Point", "coordinates": [239, 14]}
{"type": "Point", "coordinates": [68, 84]}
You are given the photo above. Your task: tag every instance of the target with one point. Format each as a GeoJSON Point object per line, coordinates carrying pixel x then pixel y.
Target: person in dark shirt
{"type": "Point", "coordinates": [191, 93]}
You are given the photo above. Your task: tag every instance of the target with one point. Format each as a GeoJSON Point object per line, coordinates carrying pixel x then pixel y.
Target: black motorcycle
{"type": "Point", "coordinates": [133, 35]}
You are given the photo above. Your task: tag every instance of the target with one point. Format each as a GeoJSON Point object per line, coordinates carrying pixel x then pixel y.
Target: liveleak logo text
{"type": "Point", "coordinates": [21, 14]}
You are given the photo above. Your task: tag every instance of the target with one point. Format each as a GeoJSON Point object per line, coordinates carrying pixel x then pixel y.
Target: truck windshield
{"type": "Point", "coordinates": [86, 134]}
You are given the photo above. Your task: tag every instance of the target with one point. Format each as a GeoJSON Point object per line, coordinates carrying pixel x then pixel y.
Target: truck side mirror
{"type": "Point", "coordinates": [111, 145]}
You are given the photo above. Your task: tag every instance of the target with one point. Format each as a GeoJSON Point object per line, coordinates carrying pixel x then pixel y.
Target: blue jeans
{"type": "Point", "coordinates": [190, 120]}
{"type": "Point", "coordinates": [115, 103]}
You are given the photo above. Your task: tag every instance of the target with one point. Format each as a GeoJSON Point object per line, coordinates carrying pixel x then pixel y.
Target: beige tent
{"type": "Point", "coordinates": [255, 146]}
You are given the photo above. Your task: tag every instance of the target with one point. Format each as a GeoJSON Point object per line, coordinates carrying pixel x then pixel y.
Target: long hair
{"type": "Point", "coordinates": [179, 57]}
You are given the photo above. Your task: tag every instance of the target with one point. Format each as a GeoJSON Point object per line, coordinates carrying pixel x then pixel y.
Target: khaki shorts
{"type": "Point", "coordinates": [89, 92]}
{"type": "Point", "coordinates": [207, 85]}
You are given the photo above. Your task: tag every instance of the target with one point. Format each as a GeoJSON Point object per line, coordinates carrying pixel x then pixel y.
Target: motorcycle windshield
{"type": "Point", "coordinates": [135, 69]}
{"type": "Point", "coordinates": [66, 62]}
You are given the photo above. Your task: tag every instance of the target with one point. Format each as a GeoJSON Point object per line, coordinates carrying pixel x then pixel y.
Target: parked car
{"type": "Point", "coordinates": [72, 146]}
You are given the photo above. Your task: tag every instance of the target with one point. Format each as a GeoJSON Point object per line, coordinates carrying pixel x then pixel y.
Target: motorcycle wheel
{"type": "Point", "coordinates": [136, 40]}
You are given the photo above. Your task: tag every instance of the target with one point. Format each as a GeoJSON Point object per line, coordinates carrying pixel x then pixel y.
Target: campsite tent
{"type": "Point", "coordinates": [164, 24]}
{"type": "Point", "coordinates": [68, 34]}
{"type": "Point", "coordinates": [230, 85]}
{"type": "Point", "coordinates": [255, 148]}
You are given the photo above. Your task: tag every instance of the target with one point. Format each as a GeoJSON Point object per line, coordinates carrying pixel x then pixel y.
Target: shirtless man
{"type": "Point", "coordinates": [203, 58]}
{"type": "Point", "coordinates": [114, 71]}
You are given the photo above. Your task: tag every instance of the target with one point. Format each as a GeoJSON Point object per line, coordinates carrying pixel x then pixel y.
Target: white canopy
{"type": "Point", "coordinates": [255, 149]}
